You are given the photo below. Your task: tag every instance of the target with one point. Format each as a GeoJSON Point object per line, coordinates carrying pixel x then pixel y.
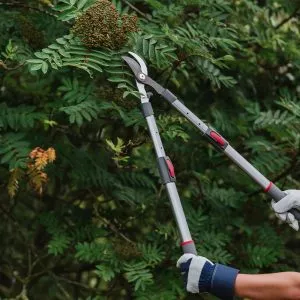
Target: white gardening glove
{"type": "Point", "coordinates": [195, 270]}
{"type": "Point", "coordinates": [201, 276]}
{"type": "Point", "coordinates": [281, 208]}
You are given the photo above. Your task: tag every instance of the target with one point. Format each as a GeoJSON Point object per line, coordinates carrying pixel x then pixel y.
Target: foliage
{"type": "Point", "coordinates": [84, 213]}
{"type": "Point", "coordinates": [70, 9]}
{"type": "Point", "coordinates": [33, 169]}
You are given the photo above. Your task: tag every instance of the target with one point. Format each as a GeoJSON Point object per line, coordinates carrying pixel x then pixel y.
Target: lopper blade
{"type": "Point", "coordinates": [134, 66]}
{"type": "Point", "coordinates": [141, 62]}
{"type": "Point", "coordinates": [140, 71]}
{"type": "Point", "coordinates": [137, 69]}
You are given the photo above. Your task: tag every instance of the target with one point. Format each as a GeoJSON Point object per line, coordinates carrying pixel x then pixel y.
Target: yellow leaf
{"type": "Point", "coordinates": [13, 182]}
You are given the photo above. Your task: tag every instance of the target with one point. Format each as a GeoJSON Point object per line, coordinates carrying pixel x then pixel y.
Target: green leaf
{"type": "Point", "coordinates": [44, 67]}
{"type": "Point", "coordinates": [81, 4]}
{"type": "Point", "coordinates": [105, 272]}
{"type": "Point", "coordinates": [34, 61]}
{"type": "Point", "coordinates": [36, 67]}
{"type": "Point", "coordinates": [61, 41]}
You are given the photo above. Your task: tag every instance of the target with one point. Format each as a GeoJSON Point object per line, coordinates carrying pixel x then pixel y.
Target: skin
{"type": "Point", "coordinates": [276, 286]}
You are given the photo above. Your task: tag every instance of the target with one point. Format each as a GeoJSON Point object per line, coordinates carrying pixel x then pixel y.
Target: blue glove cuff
{"type": "Point", "coordinates": [223, 281]}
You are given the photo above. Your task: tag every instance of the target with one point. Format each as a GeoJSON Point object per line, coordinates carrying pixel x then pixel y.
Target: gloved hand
{"type": "Point", "coordinates": [201, 275]}
{"type": "Point", "coordinates": [281, 208]}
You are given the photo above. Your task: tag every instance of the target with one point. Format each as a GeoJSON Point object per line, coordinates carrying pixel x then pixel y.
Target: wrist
{"type": "Point", "coordinates": [222, 282]}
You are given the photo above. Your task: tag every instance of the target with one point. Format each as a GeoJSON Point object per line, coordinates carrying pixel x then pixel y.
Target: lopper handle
{"type": "Point", "coordinates": [277, 194]}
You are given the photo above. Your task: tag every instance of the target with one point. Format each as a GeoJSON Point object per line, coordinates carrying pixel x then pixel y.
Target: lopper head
{"type": "Point", "coordinates": [139, 69]}
{"type": "Point", "coordinates": [137, 65]}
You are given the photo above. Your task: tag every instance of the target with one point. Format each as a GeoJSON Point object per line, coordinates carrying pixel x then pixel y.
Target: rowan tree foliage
{"type": "Point", "coordinates": [84, 215]}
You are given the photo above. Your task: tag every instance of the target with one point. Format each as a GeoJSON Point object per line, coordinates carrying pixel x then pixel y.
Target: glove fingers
{"type": "Point", "coordinates": [295, 225]}
{"type": "Point", "coordinates": [184, 258]}
{"type": "Point", "coordinates": [184, 267]}
{"type": "Point", "coordinates": [282, 217]}
{"type": "Point", "coordinates": [191, 267]}
{"type": "Point", "coordinates": [285, 204]}
{"type": "Point", "coordinates": [183, 264]}
{"type": "Point", "coordinates": [290, 218]}
{"type": "Point", "coordinates": [292, 221]}
{"type": "Point", "coordinates": [194, 274]}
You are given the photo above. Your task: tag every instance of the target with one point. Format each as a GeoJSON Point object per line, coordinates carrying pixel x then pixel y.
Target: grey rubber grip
{"type": "Point", "coordinates": [189, 248]}
{"type": "Point", "coordinates": [169, 96]}
{"type": "Point", "coordinates": [147, 109]}
{"type": "Point", "coordinates": [277, 194]}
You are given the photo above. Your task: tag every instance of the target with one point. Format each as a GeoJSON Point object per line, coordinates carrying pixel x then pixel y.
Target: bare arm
{"type": "Point", "coordinates": [279, 286]}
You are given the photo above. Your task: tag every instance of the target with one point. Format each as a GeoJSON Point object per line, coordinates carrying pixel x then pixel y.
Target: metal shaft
{"type": "Point", "coordinates": [185, 235]}
{"type": "Point", "coordinates": [229, 151]}
{"type": "Point", "coordinates": [216, 139]}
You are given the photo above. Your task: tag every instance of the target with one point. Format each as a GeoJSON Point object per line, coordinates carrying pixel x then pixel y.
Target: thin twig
{"type": "Point", "coordinates": [294, 14]}
{"type": "Point", "coordinates": [23, 294]}
{"type": "Point", "coordinates": [135, 9]}
{"type": "Point", "coordinates": [62, 289]}
{"type": "Point", "coordinates": [29, 261]}
{"type": "Point", "coordinates": [111, 226]}
{"type": "Point", "coordinates": [79, 284]}
{"type": "Point", "coordinates": [114, 229]}
{"type": "Point", "coordinates": [2, 64]}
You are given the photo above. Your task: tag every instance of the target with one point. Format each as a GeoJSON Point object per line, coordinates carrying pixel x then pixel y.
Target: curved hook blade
{"type": "Point", "coordinates": [134, 66]}
{"type": "Point", "coordinates": [141, 62]}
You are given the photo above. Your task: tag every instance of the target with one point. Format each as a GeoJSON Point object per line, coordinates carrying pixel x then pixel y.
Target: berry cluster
{"type": "Point", "coordinates": [102, 26]}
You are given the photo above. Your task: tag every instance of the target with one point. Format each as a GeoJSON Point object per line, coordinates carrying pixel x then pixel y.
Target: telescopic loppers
{"type": "Point", "coordinates": [165, 165]}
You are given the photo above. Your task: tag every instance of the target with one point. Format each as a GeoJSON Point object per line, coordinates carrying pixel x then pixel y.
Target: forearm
{"type": "Point", "coordinates": [279, 286]}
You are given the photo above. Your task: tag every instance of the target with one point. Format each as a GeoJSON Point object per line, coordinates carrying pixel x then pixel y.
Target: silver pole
{"type": "Point", "coordinates": [229, 151]}
{"type": "Point", "coordinates": [185, 235]}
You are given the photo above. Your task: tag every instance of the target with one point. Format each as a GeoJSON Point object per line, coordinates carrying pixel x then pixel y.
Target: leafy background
{"type": "Point", "coordinates": [83, 213]}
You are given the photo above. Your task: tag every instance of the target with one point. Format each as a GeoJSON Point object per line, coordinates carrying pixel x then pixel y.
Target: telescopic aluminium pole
{"type": "Point", "coordinates": [167, 173]}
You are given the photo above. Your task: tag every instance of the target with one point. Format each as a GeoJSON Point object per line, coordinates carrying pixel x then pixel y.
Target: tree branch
{"type": "Point", "coordinates": [79, 284]}
{"type": "Point", "coordinates": [4, 66]}
{"type": "Point", "coordinates": [136, 9]}
{"type": "Point", "coordinates": [61, 288]}
{"type": "Point", "coordinates": [115, 230]}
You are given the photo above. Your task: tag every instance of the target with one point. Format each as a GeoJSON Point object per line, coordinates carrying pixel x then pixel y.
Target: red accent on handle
{"type": "Point", "coordinates": [217, 138]}
{"type": "Point", "coordinates": [171, 168]}
{"type": "Point", "coordinates": [187, 242]}
{"type": "Point", "coordinates": [268, 187]}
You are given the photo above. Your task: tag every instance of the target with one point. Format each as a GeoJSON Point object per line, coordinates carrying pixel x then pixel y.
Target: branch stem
{"type": "Point", "coordinates": [294, 14]}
